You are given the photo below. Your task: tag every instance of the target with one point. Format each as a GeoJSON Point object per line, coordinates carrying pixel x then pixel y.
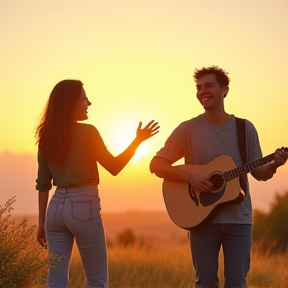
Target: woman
{"type": "Point", "coordinates": [68, 153]}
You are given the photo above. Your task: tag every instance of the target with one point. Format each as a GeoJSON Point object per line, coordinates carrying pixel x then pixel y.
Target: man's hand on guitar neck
{"type": "Point", "coordinates": [281, 156]}
{"type": "Point", "coordinates": [267, 171]}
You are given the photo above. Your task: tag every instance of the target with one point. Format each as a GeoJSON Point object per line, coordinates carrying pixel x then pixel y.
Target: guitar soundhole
{"type": "Point", "coordinates": [217, 180]}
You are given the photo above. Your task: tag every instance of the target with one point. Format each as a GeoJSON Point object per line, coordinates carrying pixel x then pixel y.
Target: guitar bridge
{"type": "Point", "coordinates": [193, 195]}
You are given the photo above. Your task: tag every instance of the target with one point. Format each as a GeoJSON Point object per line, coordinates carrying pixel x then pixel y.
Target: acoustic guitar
{"type": "Point", "coordinates": [189, 208]}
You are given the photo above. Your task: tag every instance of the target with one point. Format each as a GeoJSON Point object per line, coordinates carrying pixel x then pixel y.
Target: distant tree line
{"type": "Point", "coordinates": [271, 228]}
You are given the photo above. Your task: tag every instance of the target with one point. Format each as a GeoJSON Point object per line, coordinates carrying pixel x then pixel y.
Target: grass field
{"type": "Point", "coordinates": [157, 255]}
{"type": "Point", "coordinates": [160, 265]}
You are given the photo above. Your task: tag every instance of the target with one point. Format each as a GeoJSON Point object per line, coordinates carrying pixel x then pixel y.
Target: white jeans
{"type": "Point", "coordinates": [74, 213]}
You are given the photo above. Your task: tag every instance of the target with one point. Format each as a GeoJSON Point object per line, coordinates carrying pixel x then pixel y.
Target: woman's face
{"type": "Point", "coordinates": [81, 108]}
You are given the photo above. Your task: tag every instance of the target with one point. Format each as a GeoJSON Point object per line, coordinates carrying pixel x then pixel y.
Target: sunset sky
{"type": "Point", "coordinates": [136, 59]}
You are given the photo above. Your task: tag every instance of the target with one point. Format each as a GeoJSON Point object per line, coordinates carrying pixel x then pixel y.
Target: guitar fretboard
{"type": "Point", "coordinates": [245, 169]}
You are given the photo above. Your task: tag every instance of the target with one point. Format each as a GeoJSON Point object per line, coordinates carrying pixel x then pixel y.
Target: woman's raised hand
{"type": "Point", "coordinates": [148, 131]}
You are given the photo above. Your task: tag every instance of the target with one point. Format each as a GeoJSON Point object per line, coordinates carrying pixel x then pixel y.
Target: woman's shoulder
{"type": "Point", "coordinates": [86, 128]}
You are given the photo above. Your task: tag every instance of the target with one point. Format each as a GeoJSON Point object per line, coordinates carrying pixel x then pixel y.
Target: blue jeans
{"type": "Point", "coordinates": [205, 243]}
{"type": "Point", "coordinates": [74, 213]}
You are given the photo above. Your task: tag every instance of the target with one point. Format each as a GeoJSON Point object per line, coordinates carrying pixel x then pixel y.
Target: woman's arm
{"type": "Point", "coordinates": [115, 164]}
{"type": "Point", "coordinates": [42, 205]}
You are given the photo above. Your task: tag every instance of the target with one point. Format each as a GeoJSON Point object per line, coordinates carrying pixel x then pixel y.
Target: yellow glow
{"type": "Point", "coordinates": [141, 151]}
{"type": "Point", "coordinates": [119, 134]}
{"type": "Point", "coordinates": [136, 60]}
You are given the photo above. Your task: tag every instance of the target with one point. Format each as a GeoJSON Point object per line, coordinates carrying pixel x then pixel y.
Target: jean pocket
{"type": "Point", "coordinates": [82, 210]}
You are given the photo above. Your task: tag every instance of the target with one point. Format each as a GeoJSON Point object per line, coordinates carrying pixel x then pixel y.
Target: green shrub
{"type": "Point", "coordinates": [269, 228]}
{"type": "Point", "coordinates": [23, 262]}
{"type": "Point", "coordinates": [126, 238]}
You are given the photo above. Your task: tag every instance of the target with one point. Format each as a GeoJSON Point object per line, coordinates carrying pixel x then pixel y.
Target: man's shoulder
{"type": "Point", "coordinates": [248, 123]}
{"type": "Point", "coordinates": [186, 127]}
{"type": "Point", "coordinates": [190, 122]}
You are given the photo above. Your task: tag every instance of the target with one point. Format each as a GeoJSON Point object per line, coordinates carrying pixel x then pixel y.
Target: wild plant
{"type": "Point", "coordinates": [23, 262]}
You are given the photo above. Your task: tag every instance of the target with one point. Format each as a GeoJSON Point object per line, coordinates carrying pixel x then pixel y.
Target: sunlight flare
{"type": "Point", "coordinates": [141, 151]}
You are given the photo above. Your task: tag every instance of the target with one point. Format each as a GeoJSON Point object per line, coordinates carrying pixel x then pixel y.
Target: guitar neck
{"type": "Point", "coordinates": [246, 168]}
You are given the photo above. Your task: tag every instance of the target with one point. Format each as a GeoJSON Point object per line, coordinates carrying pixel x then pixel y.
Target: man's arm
{"type": "Point", "coordinates": [163, 169]}
{"type": "Point", "coordinates": [267, 171]}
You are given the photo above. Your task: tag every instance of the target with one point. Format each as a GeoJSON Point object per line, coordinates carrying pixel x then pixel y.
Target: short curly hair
{"type": "Point", "coordinates": [220, 74]}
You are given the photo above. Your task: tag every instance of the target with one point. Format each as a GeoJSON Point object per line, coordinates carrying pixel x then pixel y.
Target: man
{"type": "Point", "coordinates": [200, 140]}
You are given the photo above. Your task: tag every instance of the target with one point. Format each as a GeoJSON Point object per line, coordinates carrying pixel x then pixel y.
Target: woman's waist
{"type": "Point", "coordinates": [88, 189]}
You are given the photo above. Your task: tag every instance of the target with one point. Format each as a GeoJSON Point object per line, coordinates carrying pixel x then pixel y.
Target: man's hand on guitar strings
{"type": "Point", "coordinates": [200, 183]}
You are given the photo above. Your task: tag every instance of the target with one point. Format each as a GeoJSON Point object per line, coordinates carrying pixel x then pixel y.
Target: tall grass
{"type": "Point", "coordinates": [143, 264]}
{"type": "Point", "coordinates": [134, 261]}
{"type": "Point", "coordinates": [268, 269]}
{"type": "Point", "coordinates": [153, 264]}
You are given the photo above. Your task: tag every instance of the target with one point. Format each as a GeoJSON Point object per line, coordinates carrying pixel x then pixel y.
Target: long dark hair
{"type": "Point", "coordinates": [54, 131]}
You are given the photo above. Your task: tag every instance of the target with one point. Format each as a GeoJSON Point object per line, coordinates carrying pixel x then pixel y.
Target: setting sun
{"type": "Point", "coordinates": [141, 151]}
{"type": "Point", "coordinates": [120, 132]}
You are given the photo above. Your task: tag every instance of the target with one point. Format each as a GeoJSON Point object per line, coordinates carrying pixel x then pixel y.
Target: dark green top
{"type": "Point", "coordinates": [81, 167]}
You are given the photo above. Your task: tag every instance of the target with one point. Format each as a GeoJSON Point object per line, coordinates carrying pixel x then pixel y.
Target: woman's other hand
{"type": "Point", "coordinates": [41, 237]}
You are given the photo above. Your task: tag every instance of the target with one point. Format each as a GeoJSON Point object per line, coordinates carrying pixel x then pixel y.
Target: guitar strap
{"type": "Point", "coordinates": [241, 137]}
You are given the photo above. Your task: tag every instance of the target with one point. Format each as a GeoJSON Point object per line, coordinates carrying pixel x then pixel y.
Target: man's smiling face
{"type": "Point", "coordinates": [209, 92]}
